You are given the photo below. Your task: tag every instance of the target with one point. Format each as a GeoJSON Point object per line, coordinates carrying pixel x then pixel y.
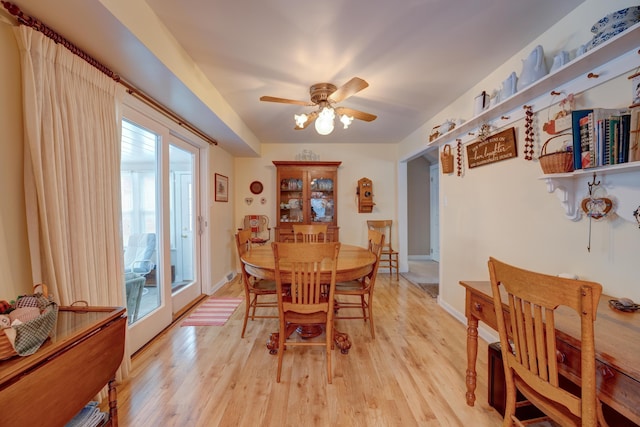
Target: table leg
{"type": "Point", "coordinates": [472, 355]}
{"type": "Point", "coordinates": [309, 331]}
{"type": "Point", "coordinates": [113, 403]}
{"type": "Point", "coordinates": [342, 341]}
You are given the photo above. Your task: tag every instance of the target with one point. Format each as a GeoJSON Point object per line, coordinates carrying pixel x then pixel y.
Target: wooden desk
{"type": "Point", "coordinates": [617, 337]}
{"type": "Point", "coordinates": [52, 385]}
{"type": "Point", "coordinates": [354, 262]}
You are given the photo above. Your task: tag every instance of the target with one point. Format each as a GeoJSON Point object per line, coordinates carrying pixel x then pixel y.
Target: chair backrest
{"type": "Point", "coordinates": [301, 266]}
{"type": "Point", "coordinates": [140, 253]}
{"type": "Point", "coordinates": [383, 226]}
{"type": "Point", "coordinates": [376, 243]}
{"type": "Point", "coordinates": [259, 227]}
{"type": "Point", "coordinates": [310, 233]}
{"type": "Point", "coordinates": [533, 299]}
{"type": "Point", "coordinates": [243, 244]}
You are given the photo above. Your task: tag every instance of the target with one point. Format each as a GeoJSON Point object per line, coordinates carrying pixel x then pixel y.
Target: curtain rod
{"type": "Point", "coordinates": [57, 38]}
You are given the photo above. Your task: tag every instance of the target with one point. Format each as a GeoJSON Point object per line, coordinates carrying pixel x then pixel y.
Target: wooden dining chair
{"type": "Point", "coordinates": [310, 233]}
{"type": "Point", "coordinates": [389, 256]}
{"type": "Point", "coordinates": [254, 288]}
{"type": "Point", "coordinates": [311, 298]}
{"type": "Point", "coordinates": [528, 342]}
{"type": "Point", "coordinates": [358, 294]}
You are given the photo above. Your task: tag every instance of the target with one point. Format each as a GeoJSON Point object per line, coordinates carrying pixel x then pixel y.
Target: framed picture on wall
{"type": "Point", "coordinates": [222, 188]}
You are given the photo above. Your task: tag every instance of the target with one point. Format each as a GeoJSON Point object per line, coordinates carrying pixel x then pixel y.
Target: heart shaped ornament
{"type": "Point", "coordinates": [597, 208]}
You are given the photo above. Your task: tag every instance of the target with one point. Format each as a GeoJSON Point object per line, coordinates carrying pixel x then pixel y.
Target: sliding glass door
{"type": "Point", "coordinates": [160, 213]}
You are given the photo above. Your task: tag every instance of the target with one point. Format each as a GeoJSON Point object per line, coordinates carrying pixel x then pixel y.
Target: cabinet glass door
{"type": "Point", "coordinates": [291, 197]}
{"type": "Point", "coordinates": [321, 200]}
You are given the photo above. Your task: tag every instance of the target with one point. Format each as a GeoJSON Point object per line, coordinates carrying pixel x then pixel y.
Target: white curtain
{"type": "Point", "coordinates": [72, 127]}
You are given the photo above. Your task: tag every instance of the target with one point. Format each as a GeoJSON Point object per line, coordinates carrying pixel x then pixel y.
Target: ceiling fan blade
{"type": "Point", "coordinates": [310, 118]}
{"type": "Point", "coordinates": [286, 101]}
{"type": "Point", "coordinates": [360, 115]}
{"type": "Point", "coordinates": [351, 87]}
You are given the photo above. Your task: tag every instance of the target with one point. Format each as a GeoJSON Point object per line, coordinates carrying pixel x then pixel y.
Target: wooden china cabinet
{"type": "Point", "coordinates": [307, 194]}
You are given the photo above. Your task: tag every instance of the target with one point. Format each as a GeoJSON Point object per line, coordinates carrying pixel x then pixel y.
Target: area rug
{"type": "Point", "coordinates": [430, 288]}
{"type": "Point", "coordinates": [213, 312]}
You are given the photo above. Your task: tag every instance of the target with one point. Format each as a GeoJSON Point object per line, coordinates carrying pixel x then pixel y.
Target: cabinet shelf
{"type": "Point", "coordinates": [622, 44]}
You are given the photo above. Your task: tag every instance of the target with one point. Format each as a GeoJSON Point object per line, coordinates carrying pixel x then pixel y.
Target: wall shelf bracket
{"type": "Point", "coordinates": [565, 191]}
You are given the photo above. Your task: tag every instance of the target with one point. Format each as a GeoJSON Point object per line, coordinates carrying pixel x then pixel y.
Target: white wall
{"type": "Point", "coordinates": [374, 161]}
{"type": "Point", "coordinates": [221, 221]}
{"type": "Point", "coordinates": [418, 204]}
{"type": "Point", "coordinates": [503, 209]}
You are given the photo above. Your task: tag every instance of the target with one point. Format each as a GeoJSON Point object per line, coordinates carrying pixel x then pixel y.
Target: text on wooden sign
{"type": "Point", "coordinates": [500, 146]}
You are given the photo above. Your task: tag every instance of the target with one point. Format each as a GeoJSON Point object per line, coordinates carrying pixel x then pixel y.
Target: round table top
{"type": "Point", "coordinates": [354, 262]}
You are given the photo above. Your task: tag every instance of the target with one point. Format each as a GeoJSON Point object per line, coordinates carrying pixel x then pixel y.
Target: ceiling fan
{"type": "Point", "coordinates": [325, 96]}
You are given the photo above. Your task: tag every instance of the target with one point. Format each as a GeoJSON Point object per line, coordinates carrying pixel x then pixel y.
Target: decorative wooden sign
{"type": "Point", "coordinates": [500, 146]}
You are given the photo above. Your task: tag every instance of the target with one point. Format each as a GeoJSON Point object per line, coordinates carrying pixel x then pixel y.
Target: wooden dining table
{"type": "Point", "coordinates": [354, 262]}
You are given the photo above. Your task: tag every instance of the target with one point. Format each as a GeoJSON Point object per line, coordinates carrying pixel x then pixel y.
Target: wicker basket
{"type": "Point", "coordinates": [559, 162]}
{"type": "Point", "coordinates": [30, 335]}
{"type": "Point", "coordinates": [446, 159]}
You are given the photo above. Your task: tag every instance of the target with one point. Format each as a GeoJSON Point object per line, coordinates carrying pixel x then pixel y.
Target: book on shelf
{"type": "Point", "coordinates": [614, 135]}
{"type": "Point", "coordinates": [585, 141]}
{"type": "Point", "coordinates": [634, 135]}
{"type": "Point", "coordinates": [601, 137]}
{"type": "Point", "coordinates": [576, 116]}
{"type": "Point", "coordinates": [625, 128]}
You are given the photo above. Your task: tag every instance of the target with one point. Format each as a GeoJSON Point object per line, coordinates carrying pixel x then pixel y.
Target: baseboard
{"type": "Point", "coordinates": [487, 334]}
{"type": "Point", "coordinates": [221, 283]}
{"type": "Point", "coordinates": [419, 257]}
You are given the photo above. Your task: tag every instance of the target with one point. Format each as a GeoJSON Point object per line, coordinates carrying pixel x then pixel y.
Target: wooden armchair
{"type": "Point", "coordinates": [310, 300]}
{"type": "Point", "coordinates": [259, 226]}
{"type": "Point", "coordinates": [528, 342]}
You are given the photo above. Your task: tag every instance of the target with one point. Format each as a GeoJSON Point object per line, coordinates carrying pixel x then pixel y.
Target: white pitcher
{"type": "Point", "coordinates": [509, 86]}
{"type": "Point", "coordinates": [533, 68]}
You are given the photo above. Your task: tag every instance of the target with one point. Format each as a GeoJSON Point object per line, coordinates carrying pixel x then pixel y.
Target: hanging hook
{"type": "Point", "coordinates": [592, 184]}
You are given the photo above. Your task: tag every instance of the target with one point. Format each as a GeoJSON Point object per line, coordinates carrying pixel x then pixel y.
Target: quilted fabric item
{"type": "Point", "coordinates": [24, 314]}
{"type": "Point", "coordinates": [27, 301]}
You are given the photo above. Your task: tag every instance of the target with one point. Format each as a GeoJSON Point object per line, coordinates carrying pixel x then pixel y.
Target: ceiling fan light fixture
{"type": "Point", "coordinates": [324, 122]}
{"type": "Point", "coordinates": [346, 120]}
{"type": "Point", "coordinates": [300, 119]}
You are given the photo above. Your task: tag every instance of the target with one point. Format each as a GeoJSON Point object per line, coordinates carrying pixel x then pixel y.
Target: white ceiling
{"type": "Point", "coordinates": [416, 55]}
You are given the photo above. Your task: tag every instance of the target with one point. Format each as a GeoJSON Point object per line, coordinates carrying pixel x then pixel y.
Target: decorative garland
{"type": "Point", "coordinates": [528, 131]}
{"type": "Point", "coordinates": [459, 156]}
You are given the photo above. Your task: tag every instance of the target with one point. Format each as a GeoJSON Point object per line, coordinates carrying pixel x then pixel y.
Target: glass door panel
{"type": "Point", "coordinates": [321, 199]}
{"type": "Point", "coordinates": [139, 188]}
{"type": "Point", "coordinates": [142, 183]}
{"type": "Point", "coordinates": [292, 197]}
{"type": "Point", "coordinates": [185, 286]}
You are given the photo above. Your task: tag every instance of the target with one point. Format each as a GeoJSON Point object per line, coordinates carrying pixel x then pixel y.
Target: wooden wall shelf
{"type": "Point", "coordinates": [608, 60]}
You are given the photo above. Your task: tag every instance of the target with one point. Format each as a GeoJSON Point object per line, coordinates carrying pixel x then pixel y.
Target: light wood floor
{"type": "Point", "coordinates": [412, 374]}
